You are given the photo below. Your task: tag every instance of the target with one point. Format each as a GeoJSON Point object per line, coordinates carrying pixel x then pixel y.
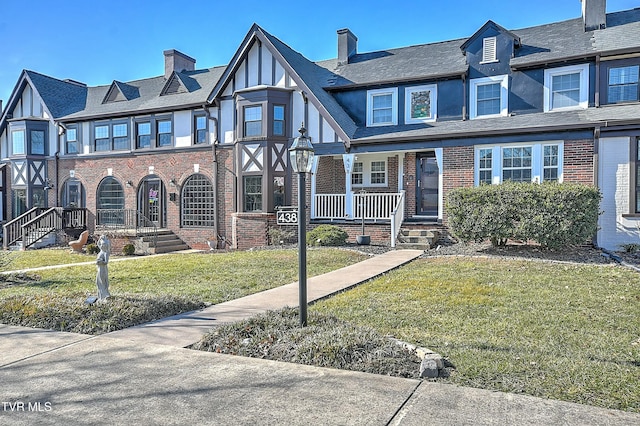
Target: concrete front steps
{"type": "Point", "coordinates": [417, 239]}
{"type": "Point", "coordinates": [167, 242]}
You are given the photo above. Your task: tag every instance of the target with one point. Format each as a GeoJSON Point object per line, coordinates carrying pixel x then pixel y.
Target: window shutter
{"type": "Point", "coordinates": [489, 49]}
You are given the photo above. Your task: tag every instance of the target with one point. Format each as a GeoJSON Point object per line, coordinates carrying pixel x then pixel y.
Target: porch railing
{"type": "Point", "coordinates": [397, 216]}
{"type": "Point", "coordinates": [329, 206]}
{"type": "Point", "coordinates": [12, 230]}
{"type": "Point", "coordinates": [374, 206]}
{"type": "Point", "coordinates": [123, 220]}
{"type": "Point", "coordinates": [40, 226]}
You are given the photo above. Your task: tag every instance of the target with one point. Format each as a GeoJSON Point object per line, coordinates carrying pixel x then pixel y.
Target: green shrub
{"type": "Point", "coordinates": [92, 248]}
{"type": "Point", "coordinates": [128, 249]}
{"type": "Point", "coordinates": [282, 235]}
{"type": "Point", "coordinates": [630, 247]}
{"type": "Point", "coordinates": [552, 214]}
{"type": "Point", "coordinates": [327, 235]}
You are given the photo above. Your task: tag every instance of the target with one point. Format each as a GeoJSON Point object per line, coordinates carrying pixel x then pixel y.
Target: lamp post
{"type": "Point", "coordinates": [301, 159]}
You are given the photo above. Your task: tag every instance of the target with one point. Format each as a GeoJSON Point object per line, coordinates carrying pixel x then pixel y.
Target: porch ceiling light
{"type": "Point", "coordinates": [301, 153]}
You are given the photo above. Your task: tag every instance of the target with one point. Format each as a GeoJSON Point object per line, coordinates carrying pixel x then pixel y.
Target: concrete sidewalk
{"type": "Point", "coordinates": [54, 378]}
{"type": "Point", "coordinates": [143, 375]}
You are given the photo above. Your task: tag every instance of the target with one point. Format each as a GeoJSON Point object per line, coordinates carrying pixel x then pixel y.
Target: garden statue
{"type": "Point", "coordinates": [102, 278]}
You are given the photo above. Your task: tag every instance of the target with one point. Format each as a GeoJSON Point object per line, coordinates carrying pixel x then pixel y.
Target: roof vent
{"type": "Point", "coordinates": [177, 61]}
{"type": "Point", "coordinates": [347, 46]}
{"type": "Point", "coordinates": [594, 14]}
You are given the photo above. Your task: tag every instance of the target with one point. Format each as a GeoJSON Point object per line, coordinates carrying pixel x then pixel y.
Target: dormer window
{"type": "Point", "coordinates": [489, 96]}
{"type": "Point", "coordinates": [382, 107]}
{"type": "Point", "coordinates": [566, 88]}
{"type": "Point", "coordinates": [420, 104]}
{"type": "Point", "coordinates": [489, 50]}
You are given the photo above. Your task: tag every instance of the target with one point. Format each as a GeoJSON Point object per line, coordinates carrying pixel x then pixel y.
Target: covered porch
{"type": "Point", "coordinates": [379, 187]}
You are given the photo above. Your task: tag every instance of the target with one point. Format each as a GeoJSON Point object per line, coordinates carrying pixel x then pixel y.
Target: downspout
{"type": "Point", "coordinates": [464, 96]}
{"type": "Point", "coordinates": [596, 148]}
{"type": "Point", "coordinates": [61, 131]}
{"type": "Point", "coordinates": [596, 143]}
{"type": "Point", "coordinates": [214, 153]}
{"type": "Point", "coordinates": [597, 95]}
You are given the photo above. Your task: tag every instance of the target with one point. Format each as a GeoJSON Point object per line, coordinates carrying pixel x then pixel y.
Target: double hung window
{"type": "Point", "coordinates": [489, 96]}
{"type": "Point", "coordinates": [200, 129]}
{"type": "Point", "coordinates": [566, 87]}
{"type": "Point", "coordinates": [382, 107]}
{"type": "Point", "coordinates": [278, 120]}
{"type": "Point", "coordinates": [369, 172]}
{"type": "Point", "coordinates": [623, 84]}
{"type": "Point", "coordinates": [111, 136]}
{"type": "Point", "coordinates": [253, 121]}
{"type": "Point", "coordinates": [154, 132]}
{"type": "Point", "coordinates": [72, 140]}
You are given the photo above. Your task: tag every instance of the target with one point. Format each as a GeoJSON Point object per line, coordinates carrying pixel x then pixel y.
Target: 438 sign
{"type": "Point", "coordinates": [287, 216]}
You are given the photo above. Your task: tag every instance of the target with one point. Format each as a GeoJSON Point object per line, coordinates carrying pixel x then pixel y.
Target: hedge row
{"type": "Point", "coordinates": [552, 214]}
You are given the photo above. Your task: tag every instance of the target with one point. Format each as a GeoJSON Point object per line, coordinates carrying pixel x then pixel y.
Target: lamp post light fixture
{"type": "Point", "coordinates": [301, 159]}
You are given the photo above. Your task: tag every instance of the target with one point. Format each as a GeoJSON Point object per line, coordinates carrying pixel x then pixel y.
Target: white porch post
{"type": "Point", "coordinates": [314, 170]}
{"type": "Point", "coordinates": [400, 171]}
{"type": "Point", "coordinates": [440, 183]}
{"type": "Point", "coordinates": [348, 160]}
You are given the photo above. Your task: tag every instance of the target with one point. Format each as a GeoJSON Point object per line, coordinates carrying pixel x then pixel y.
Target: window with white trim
{"type": "Point", "coordinates": [566, 88]}
{"type": "Point", "coordinates": [369, 172]}
{"type": "Point", "coordinates": [489, 50]}
{"type": "Point", "coordinates": [421, 104]}
{"type": "Point", "coordinates": [382, 107]}
{"type": "Point", "coordinates": [485, 166]}
{"type": "Point", "coordinates": [357, 173]}
{"type": "Point", "coordinates": [550, 166]}
{"type": "Point", "coordinates": [378, 172]}
{"type": "Point", "coordinates": [516, 164]}
{"type": "Point", "coordinates": [489, 96]}
{"type": "Point", "coordinates": [522, 162]}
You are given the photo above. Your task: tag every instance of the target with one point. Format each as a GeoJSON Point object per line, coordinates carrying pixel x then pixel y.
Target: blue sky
{"type": "Point", "coordinates": [97, 42]}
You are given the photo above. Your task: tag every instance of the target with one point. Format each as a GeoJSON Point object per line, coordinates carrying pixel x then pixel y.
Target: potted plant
{"type": "Point", "coordinates": [362, 240]}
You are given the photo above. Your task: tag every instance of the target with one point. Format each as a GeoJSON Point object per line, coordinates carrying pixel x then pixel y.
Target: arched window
{"type": "Point", "coordinates": [198, 202]}
{"type": "Point", "coordinates": [110, 202]}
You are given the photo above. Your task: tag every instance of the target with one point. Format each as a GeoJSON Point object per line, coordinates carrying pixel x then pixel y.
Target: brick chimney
{"type": "Point", "coordinates": [594, 14]}
{"type": "Point", "coordinates": [177, 61]}
{"type": "Point", "coordinates": [347, 46]}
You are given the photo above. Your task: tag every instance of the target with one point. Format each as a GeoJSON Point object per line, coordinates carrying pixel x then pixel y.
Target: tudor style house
{"type": "Point", "coordinates": [202, 153]}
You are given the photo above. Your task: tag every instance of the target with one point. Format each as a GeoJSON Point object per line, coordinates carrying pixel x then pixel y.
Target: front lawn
{"type": "Point", "coordinates": [568, 332]}
{"type": "Point", "coordinates": [53, 298]}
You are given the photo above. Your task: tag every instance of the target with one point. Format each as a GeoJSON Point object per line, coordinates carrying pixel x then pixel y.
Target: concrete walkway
{"type": "Point", "coordinates": [143, 375]}
{"type": "Point", "coordinates": [185, 329]}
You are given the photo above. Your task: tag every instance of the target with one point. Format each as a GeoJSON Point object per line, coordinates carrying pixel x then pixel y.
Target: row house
{"type": "Point", "coordinates": [203, 152]}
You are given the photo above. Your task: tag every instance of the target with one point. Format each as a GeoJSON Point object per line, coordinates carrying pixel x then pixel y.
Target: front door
{"type": "Point", "coordinates": [152, 203]}
{"type": "Point", "coordinates": [427, 184]}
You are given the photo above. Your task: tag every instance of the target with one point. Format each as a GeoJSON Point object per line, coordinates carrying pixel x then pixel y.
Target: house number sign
{"type": "Point", "coordinates": [287, 216]}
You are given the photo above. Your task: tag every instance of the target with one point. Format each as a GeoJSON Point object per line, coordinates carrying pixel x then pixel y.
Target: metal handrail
{"type": "Point", "coordinates": [126, 220]}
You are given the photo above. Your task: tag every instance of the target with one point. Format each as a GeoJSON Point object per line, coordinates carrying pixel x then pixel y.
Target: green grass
{"type": "Point", "coordinates": [550, 330]}
{"type": "Point", "coordinates": [17, 260]}
{"type": "Point", "coordinates": [209, 277]}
